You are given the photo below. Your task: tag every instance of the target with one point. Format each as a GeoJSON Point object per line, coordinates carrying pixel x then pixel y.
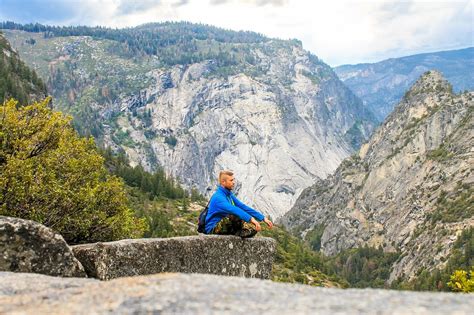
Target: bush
{"type": "Point", "coordinates": [461, 282]}
{"type": "Point", "coordinates": [313, 237]}
{"type": "Point", "coordinates": [51, 175]}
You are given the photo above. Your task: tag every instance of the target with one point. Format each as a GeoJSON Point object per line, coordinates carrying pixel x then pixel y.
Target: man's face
{"type": "Point", "coordinates": [228, 182]}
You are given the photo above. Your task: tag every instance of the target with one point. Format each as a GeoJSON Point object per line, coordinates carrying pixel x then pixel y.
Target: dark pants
{"type": "Point", "coordinates": [232, 225]}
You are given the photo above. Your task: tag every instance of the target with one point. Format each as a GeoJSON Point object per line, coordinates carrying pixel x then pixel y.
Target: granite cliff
{"type": "Point", "coordinates": [409, 189]}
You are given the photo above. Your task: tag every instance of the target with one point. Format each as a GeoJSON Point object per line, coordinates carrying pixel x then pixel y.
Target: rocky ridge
{"type": "Point", "coordinates": [381, 85]}
{"type": "Point", "coordinates": [172, 293]}
{"type": "Point", "coordinates": [216, 254]}
{"type": "Point", "coordinates": [409, 189]}
{"type": "Point", "coordinates": [28, 246]}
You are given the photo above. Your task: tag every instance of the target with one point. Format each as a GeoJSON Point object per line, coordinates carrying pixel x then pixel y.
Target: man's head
{"type": "Point", "coordinates": [226, 179]}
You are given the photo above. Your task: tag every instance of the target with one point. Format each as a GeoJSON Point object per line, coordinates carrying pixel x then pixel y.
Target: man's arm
{"type": "Point", "coordinates": [254, 213]}
{"type": "Point", "coordinates": [224, 204]}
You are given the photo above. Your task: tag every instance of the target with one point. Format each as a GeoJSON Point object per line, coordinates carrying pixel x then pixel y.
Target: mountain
{"type": "Point", "coordinates": [408, 190]}
{"type": "Point", "coordinates": [381, 85]}
{"type": "Point", "coordinates": [167, 210]}
{"type": "Point", "coordinates": [195, 99]}
{"type": "Point", "coordinates": [16, 79]}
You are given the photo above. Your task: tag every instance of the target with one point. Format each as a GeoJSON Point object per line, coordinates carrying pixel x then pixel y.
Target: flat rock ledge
{"type": "Point", "coordinates": [174, 293]}
{"type": "Point", "coordinates": [28, 246]}
{"type": "Point", "coordinates": [221, 255]}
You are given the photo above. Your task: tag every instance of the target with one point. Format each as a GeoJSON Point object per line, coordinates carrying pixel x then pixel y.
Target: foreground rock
{"type": "Point", "coordinates": [223, 255]}
{"type": "Point", "coordinates": [209, 294]}
{"type": "Point", "coordinates": [27, 246]}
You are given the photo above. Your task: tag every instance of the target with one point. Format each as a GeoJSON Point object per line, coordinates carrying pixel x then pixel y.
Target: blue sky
{"type": "Point", "coordinates": [338, 31]}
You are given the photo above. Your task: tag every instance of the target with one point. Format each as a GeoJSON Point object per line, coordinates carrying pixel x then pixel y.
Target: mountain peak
{"type": "Point", "coordinates": [430, 82]}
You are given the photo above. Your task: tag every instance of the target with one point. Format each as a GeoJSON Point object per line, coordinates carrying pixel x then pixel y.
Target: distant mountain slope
{"type": "Point", "coordinates": [196, 99]}
{"type": "Point", "coordinates": [16, 79]}
{"type": "Point", "coordinates": [381, 85]}
{"type": "Point", "coordinates": [409, 189]}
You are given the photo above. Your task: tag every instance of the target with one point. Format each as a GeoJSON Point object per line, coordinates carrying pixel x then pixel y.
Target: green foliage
{"type": "Point", "coordinates": [154, 185]}
{"type": "Point", "coordinates": [296, 262]}
{"type": "Point", "coordinates": [314, 78]}
{"type": "Point", "coordinates": [460, 258]}
{"type": "Point", "coordinates": [313, 237]}
{"type": "Point", "coordinates": [50, 175]}
{"type": "Point", "coordinates": [158, 199]}
{"type": "Point", "coordinates": [173, 42]}
{"type": "Point", "coordinates": [16, 79]}
{"type": "Point", "coordinates": [440, 154]}
{"type": "Point", "coordinates": [165, 217]}
{"type": "Point", "coordinates": [435, 88]}
{"type": "Point", "coordinates": [414, 122]}
{"type": "Point", "coordinates": [455, 206]}
{"type": "Point", "coordinates": [354, 135]}
{"type": "Point", "coordinates": [122, 137]}
{"type": "Point", "coordinates": [461, 282]}
{"type": "Point", "coordinates": [363, 267]}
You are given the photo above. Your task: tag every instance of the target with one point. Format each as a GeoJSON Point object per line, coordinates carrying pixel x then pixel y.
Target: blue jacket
{"type": "Point", "coordinates": [221, 206]}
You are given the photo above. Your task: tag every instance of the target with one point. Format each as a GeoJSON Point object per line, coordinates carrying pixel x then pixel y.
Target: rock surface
{"type": "Point", "coordinates": [410, 188]}
{"type": "Point", "coordinates": [27, 246]}
{"type": "Point", "coordinates": [173, 293]}
{"type": "Point", "coordinates": [223, 255]}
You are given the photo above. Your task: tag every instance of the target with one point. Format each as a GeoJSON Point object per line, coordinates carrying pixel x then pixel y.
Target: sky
{"type": "Point", "coordinates": [337, 31]}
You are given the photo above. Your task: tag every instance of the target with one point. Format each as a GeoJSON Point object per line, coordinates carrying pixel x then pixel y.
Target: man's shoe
{"type": "Point", "coordinates": [246, 233]}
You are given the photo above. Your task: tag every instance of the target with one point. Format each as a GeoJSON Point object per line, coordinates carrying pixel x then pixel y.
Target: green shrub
{"type": "Point", "coordinates": [459, 205]}
{"type": "Point", "coordinates": [51, 175]}
{"type": "Point", "coordinates": [313, 237]}
{"type": "Point", "coordinates": [461, 282]}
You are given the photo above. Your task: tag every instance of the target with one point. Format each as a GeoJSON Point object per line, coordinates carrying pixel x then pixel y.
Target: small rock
{"type": "Point", "coordinates": [28, 246]}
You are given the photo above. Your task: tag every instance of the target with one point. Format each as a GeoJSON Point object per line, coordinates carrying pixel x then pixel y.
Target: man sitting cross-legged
{"type": "Point", "coordinates": [228, 215]}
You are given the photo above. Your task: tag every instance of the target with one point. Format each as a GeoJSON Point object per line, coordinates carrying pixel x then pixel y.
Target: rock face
{"type": "Point", "coordinates": [222, 255]}
{"type": "Point", "coordinates": [409, 189]}
{"type": "Point", "coordinates": [27, 246]}
{"type": "Point", "coordinates": [277, 137]}
{"type": "Point", "coordinates": [209, 294]}
{"type": "Point", "coordinates": [278, 116]}
{"type": "Point", "coordinates": [381, 85]}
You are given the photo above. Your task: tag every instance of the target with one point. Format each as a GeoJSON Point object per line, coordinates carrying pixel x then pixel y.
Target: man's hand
{"type": "Point", "coordinates": [257, 225]}
{"type": "Point", "coordinates": [268, 222]}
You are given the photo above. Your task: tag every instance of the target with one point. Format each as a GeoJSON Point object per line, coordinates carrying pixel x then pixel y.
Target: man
{"type": "Point", "coordinates": [228, 215]}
